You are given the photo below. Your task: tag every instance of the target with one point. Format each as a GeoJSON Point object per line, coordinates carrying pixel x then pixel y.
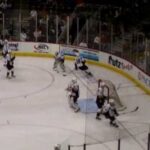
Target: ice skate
{"type": "Point", "coordinates": [12, 74]}
{"type": "Point", "coordinates": [98, 118]}
{"type": "Point", "coordinates": [8, 77]}
{"type": "Point", "coordinates": [55, 69]}
{"type": "Point", "coordinates": [114, 124]}
{"type": "Point", "coordinates": [64, 73]}
{"type": "Point", "coordinates": [77, 110]}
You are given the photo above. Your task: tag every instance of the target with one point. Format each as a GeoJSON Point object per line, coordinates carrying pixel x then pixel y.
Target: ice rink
{"type": "Point", "coordinates": [35, 115]}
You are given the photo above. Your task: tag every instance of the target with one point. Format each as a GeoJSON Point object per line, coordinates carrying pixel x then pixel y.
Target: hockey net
{"type": "Point", "coordinates": [111, 92]}
{"type": "Point", "coordinates": [92, 84]}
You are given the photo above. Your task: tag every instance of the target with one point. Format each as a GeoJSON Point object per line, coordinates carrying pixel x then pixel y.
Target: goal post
{"type": "Point", "coordinates": [112, 93]}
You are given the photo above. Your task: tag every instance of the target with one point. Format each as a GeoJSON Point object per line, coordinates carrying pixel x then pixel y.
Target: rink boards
{"type": "Point", "coordinates": [93, 57]}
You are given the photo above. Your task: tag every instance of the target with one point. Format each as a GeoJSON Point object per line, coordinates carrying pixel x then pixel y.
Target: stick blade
{"type": "Point", "coordinates": [136, 108]}
{"type": "Point", "coordinates": [132, 111]}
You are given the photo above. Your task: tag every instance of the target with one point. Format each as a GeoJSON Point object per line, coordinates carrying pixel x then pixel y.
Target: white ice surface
{"type": "Point", "coordinates": [34, 112]}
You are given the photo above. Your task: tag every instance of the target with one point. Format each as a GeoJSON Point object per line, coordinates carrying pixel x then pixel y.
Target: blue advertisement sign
{"type": "Point", "coordinates": [85, 54]}
{"type": "Point", "coordinates": [89, 55]}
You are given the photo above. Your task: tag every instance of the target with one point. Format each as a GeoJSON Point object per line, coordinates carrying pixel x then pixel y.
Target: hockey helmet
{"type": "Point", "coordinates": [102, 84]}
{"type": "Point", "coordinates": [57, 147]}
{"type": "Point", "coordinates": [100, 80]}
{"type": "Point", "coordinates": [9, 51]}
{"type": "Point", "coordinates": [100, 89]}
{"type": "Point", "coordinates": [111, 101]}
{"type": "Point", "coordinates": [56, 53]}
{"type": "Point", "coordinates": [74, 80]}
{"type": "Point", "coordinates": [5, 41]}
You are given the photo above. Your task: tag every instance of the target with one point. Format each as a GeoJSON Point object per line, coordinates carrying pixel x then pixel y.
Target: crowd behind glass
{"type": "Point", "coordinates": [109, 28]}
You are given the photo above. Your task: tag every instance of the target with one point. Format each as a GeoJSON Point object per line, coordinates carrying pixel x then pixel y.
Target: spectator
{"type": "Point", "coordinates": [96, 42]}
{"type": "Point", "coordinates": [33, 13]}
{"type": "Point", "coordinates": [23, 35]}
{"type": "Point", "coordinates": [83, 44]}
{"type": "Point", "coordinates": [1, 43]}
{"type": "Point", "coordinates": [37, 34]}
{"type": "Point", "coordinates": [3, 5]}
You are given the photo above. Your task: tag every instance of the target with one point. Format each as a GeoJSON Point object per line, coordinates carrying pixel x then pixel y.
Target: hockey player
{"type": "Point", "coordinates": [6, 48]}
{"type": "Point", "coordinates": [57, 147]}
{"type": "Point", "coordinates": [83, 65]}
{"type": "Point", "coordinates": [59, 61]}
{"type": "Point", "coordinates": [100, 100]}
{"type": "Point", "coordinates": [9, 59]}
{"type": "Point", "coordinates": [5, 51]}
{"type": "Point", "coordinates": [55, 61]}
{"type": "Point", "coordinates": [80, 63]}
{"type": "Point", "coordinates": [101, 83]}
{"type": "Point", "coordinates": [73, 94]}
{"type": "Point", "coordinates": [77, 61]}
{"type": "Point", "coordinates": [110, 112]}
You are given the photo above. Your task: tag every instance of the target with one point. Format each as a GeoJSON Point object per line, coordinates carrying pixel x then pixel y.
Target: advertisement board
{"type": "Point", "coordinates": [106, 58]}
{"type": "Point", "coordinates": [71, 51]}
{"type": "Point", "coordinates": [129, 68]}
{"type": "Point", "coordinates": [34, 47]}
{"type": "Point", "coordinates": [119, 63]}
{"type": "Point", "coordinates": [14, 46]}
{"type": "Point", "coordinates": [143, 78]}
{"type": "Point", "coordinates": [41, 48]}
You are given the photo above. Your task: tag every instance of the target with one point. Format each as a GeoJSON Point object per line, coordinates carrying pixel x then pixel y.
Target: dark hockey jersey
{"type": "Point", "coordinates": [10, 63]}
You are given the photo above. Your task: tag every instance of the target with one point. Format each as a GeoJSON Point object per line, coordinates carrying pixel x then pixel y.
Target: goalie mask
{"type": "Point", "coordinates": [74, 80]}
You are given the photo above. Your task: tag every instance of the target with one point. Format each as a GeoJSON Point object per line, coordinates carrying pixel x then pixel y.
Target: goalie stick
{"type": "Point", "coordinates": [131, 111]}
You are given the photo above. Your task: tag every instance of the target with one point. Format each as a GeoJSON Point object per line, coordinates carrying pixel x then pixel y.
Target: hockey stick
{"type": "Point", "coordinates": [128, 112]}
{"type": "Point", "coordinates": [118, 87]}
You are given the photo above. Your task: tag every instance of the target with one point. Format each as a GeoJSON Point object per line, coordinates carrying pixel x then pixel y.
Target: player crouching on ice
{"type": "Point", "coordinates": [9, 59]}
{"type": "Point", "coordinates": [80, 63]}
{"type": "Point", "coordinates": [110, 112]}
{"type": "Point", "coordinates": [73, 94]}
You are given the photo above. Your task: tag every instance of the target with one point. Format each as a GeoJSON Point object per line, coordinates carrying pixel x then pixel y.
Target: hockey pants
{"type": "Point", "coordinates": [11, 71]}
{"type": "Point", "coordinates": [73, 103]}
{"type": "Point", "coordinates": [56, 62]}
{"type": "Point", "coordinates": [62, 66]}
